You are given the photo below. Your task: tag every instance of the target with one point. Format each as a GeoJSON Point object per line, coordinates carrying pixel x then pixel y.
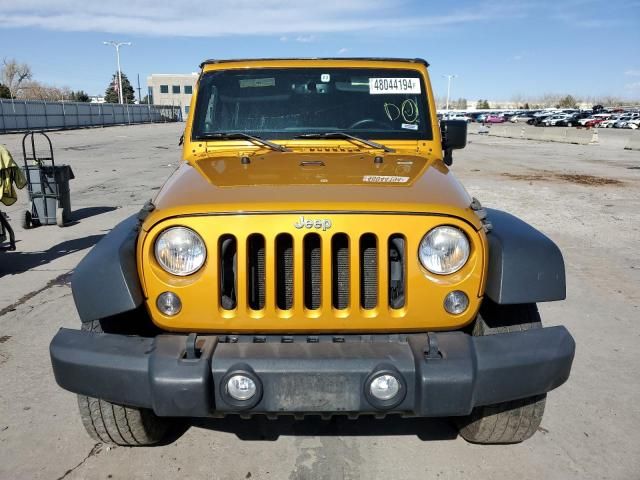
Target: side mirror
{"type": "Point", "coordinates": [454, 136]}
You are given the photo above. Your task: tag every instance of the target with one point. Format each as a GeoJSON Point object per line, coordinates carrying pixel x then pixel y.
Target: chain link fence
{"type": "Point", "coordinates": [24, 115]}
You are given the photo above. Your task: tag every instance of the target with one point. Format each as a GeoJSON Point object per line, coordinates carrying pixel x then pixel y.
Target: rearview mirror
{"type": "Point", "coordinates": [454, 136]}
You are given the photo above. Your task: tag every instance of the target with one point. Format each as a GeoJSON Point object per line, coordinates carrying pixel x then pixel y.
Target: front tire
{"type": "Point", "coordinates": [516, 420]}
{"type": "Point", "coordinates": [110, 423]}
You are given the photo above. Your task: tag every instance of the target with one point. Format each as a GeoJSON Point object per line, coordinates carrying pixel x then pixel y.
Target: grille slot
{"type": "Point", "coordinates": [228, 254]}
{"type": "Point", "coordinates": [284, 271]}
{"type": "Point", "coordinates": [256, 271]}
{"type": "Point", "coordinates": [312, 271]}
{"type": "Point", "coordinates": [397, 271]}
{"type": "Point", "coordinates": [368, 271]}
{"type": "Point", "coordinates": [340, 271]}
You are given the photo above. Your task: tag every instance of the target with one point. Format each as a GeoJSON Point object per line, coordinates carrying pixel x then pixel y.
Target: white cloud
{"type": "Point", "coordinates": [517, 58]}
{"type": "Point", "coordinates": [633, 73]}
{"type": "Point", "coordinates": [215, 18]}
{"type": "Point", "coordinates": [305, 38]}
{"type": "Point", "coordinates": [632, 86]}
{"type": "Point", "coordinates": [342, 51]}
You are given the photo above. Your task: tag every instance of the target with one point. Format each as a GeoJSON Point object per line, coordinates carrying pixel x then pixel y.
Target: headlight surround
{"type": "Point", "coordinates": [180, 251]}
{"type": "Point", "coordinates": [444, 250]}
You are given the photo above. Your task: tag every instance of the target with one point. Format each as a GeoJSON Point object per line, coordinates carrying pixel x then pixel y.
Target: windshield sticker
{"type": "Point", "coordinates": [410, 126]}
{"type": "Point", "coordinates": [384, 179]}
{"type": "Point", "coordinates": [325, 77]}
{"type": "Point", "coordinates": [257, 82]}
{"type": "Point", "coordinates": [392, 111]}
{"type": "Point", "coordinates": [394, 85]}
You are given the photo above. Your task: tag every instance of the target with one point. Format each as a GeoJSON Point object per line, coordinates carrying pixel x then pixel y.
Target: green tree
{"type": "Point", "coordinates": [461, 104]}
{"type": "Point", "coordinates": [567, 102]}
{"type": "Point", "coordinates": [80, 96]}
{"type": "Point", "coordinates": [482, 104]}
{"type": "Point", "coordinates": [526, 106]}
{"type": "Point", "coordinates": [111, 94]}
{"type": "Point", "coordinates": [4, 91]}
{"type": "Point", "coordinates": [146, 100]}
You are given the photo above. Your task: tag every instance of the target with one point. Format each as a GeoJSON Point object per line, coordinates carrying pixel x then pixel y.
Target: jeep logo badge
{"type": "Point", "coordinates": [323, 224]}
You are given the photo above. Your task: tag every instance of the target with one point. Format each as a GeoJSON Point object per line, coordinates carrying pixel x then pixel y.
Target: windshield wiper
{"type": "Point", "coordinates": [242, 136]}
{"type": "Point", "coordinates": [347, 136]}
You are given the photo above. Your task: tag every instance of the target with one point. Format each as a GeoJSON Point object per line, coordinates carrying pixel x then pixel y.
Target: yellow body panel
{"type": "Point", "coordinates": [215, 194]}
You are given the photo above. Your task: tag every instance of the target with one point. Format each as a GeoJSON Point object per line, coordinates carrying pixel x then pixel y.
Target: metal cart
{"type": "Point", "coordinates": [48, 184]}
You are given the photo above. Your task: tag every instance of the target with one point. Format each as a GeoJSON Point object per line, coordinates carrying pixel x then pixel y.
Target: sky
{"type": "Point", "coordinates": [498, 49]}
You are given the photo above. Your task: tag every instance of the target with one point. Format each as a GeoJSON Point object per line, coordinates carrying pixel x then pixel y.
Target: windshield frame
{"type": "Point", "coordinates": [423, 133]}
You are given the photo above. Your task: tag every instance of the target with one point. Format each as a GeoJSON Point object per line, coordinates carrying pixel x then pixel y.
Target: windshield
{"type": "Point", "coordinates": [283, 103]}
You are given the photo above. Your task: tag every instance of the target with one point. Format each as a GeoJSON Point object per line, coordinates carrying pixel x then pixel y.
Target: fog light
{"type": "Point", "coordinates": [456, 302]}
{"type": "Point", "coordinates": [384, 387]}
{"type": "Point", "coordinates": [169, 304]}
{"type": "Point", "coordinates": [241, 387]}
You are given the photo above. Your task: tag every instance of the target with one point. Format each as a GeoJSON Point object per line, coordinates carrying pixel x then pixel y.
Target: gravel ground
{"type": "Point", "coordinates": [586, 198]}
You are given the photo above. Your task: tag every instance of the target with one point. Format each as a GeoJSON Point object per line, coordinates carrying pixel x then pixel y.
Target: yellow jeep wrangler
{"type": "Point", "coordinates": [314, 255]}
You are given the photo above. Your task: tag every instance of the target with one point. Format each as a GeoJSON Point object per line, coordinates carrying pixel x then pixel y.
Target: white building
{"type": "Point", "coordinates": [172, 89]}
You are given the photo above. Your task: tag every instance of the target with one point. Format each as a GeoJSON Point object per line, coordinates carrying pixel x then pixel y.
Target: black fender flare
{"type": "Point", "coordinates": [525, 266]}
{"type": "Point", "coordinates": [106, 282]}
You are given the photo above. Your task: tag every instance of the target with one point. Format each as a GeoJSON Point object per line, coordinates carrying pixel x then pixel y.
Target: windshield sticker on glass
{"type": "Point", "coordinates": [384, 179]}
{"type": "Point", "coordinates": [394, 85]}
{"type": "Point", "coordinates": [410, 126]}
{"type": "Point", "coordinates": [325, 77]}
{"type": "Point", "coordinates": [257, 82]}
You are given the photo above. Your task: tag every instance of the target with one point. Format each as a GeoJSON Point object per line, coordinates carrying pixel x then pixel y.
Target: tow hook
{"type": "Point", "coordinates": [432, 352]}
{"type": "Point", "coordinates": [192, 352]}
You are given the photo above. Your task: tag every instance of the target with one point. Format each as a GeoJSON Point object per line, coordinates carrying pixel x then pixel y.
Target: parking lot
{"type": "Point", "coordinates": [585, 197]}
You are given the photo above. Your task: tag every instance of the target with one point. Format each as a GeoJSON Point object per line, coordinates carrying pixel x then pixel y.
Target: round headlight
{"type": "Point", "coordinates": [444, 250]}
{"type": "Point", "coordinates": [180, 251]}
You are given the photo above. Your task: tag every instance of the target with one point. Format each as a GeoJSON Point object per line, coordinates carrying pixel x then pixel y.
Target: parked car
{"type": "Point", "coordinates": [609, 122]}
{"type": "Point", "coordinates": [624, 119]}
{"type": "Point", "coordinates": [594, 122]}
{"type": "Point", "coordinates": [554, 120]}
{"type": "Point", "coordinates": [633, 124]}
{"type": "Point", "coordinates": [458, 116]}
{"type": "Point", "coordinates": [522, 117]}
{"type": "Point", "coordinates": [599, 117]}
{"type": "Point", "coordinates": [570, 120]}
{"type": "Point", "coordinates": [494, 119]}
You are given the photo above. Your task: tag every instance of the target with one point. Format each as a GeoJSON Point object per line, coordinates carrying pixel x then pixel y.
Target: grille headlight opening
{"type": "Point", "coordinates": [444, 250]}
{"type": "Point", "coordinates": [180, 251]}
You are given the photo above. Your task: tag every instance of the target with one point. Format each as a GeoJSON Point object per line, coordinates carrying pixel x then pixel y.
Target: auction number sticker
{"type": "Point", "coordinates": [394, 85]}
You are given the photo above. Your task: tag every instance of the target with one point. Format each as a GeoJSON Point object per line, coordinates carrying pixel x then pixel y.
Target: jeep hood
{"type": "Point", "coordinates": [305, 182]}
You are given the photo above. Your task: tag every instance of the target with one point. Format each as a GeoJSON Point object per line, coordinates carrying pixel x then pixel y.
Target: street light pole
{"type": "Point", "coordinates": [117, 46]}
{"type": "Point", "coordinates": [449, 78]}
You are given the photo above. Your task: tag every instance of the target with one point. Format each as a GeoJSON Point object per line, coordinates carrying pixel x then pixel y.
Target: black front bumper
{"type": "Point", "coordinates": [442, 374]}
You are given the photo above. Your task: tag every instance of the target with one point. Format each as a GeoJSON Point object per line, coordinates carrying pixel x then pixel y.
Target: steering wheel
{"type": "Point", "coordinates": [366, 121]}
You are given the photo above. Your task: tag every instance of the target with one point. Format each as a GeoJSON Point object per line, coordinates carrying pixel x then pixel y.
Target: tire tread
{"type": "Point", "coordinates": [108, 422]}
{"type": "Point", "coordinates": [517, 420]}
